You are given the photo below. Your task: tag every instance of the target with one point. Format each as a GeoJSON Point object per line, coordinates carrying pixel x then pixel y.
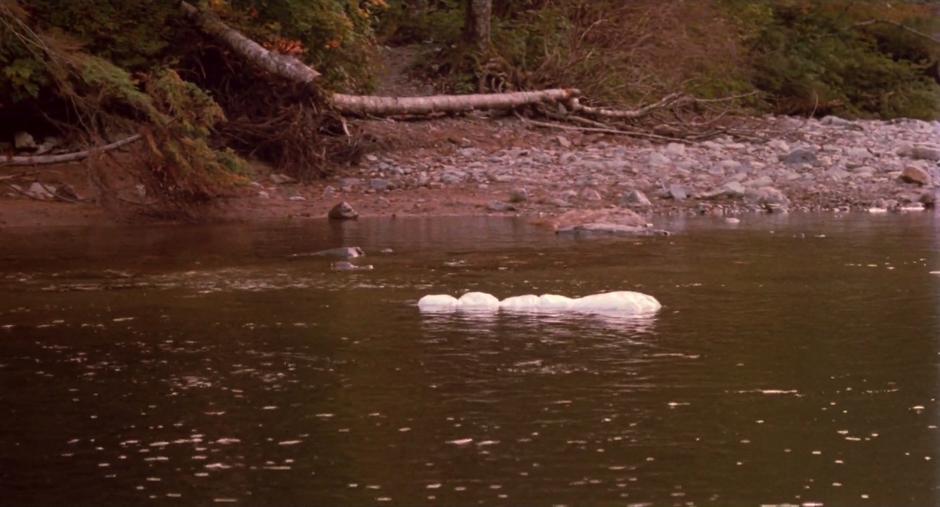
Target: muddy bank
{"type": "Point", "coordinates": [477, 165]}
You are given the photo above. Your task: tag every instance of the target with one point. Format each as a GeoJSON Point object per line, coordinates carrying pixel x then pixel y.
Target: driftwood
{"type": "Point", "coordinates": [66, 157]}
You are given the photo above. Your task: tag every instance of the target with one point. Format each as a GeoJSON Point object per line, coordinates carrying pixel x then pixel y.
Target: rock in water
{"type": "Point", "coordinates": [343, 211]}
{"type": "Point", "coordinates": [346, 252]}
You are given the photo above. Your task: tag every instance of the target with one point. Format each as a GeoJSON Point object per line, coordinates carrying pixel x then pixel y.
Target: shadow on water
{"type": "Point", "coordinates": [795, 360]}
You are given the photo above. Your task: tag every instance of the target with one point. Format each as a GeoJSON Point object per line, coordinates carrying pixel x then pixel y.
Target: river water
{"type": "Point", "coordinates": [795, 361]}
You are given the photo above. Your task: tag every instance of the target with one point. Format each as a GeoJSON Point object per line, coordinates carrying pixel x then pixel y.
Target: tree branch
{"type": "Point", "coordinates": [65, 157]}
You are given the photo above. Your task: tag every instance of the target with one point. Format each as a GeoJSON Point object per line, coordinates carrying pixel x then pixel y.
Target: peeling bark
{"type": "Point", "coordinates": [285, 66]}
{"type": "Point", "coordinates": [369, 105]}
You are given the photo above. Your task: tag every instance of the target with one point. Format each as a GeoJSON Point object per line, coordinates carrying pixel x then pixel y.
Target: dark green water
{"type": "Point", "coordinates": [168, 366]}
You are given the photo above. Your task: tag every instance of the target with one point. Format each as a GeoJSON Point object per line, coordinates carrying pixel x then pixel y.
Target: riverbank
{"type": "Point", "coordinates": [502, 166]}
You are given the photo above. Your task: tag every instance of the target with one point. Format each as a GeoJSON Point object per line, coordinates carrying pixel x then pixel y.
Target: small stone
{"type": "Point", "coordinates": [635, 199]}
{"type": "Point", "coordinates": [264, 195]}
{"type": "Point", "coordinates": [731, 189]}
{"type": "Point", "coordinates": [678, 192]}
{"type": "Point", "coordinates": [658, 159]}
{"type": "Point", "coordinates": [589, 194]}
{"type": "Point", "coordinates": [799, 156]}
{"type": "Point", "coordinates": [348, 184]}
{"type": "Point", "coordinates": [453, 177]}
{"type": "Point", "coordinates": [677, 149]}
{"type": "Point", "coordinates": [281, 179]}
{"type": "Point", "coordinates": [48, 144]}
{"type": "Point", "coordinates": [564, 142]}
{"type": "Point", "coordinates": [732, 221]}
{"type": "Point", "coordinates": [66, 192]}
{"type": "Point", "coordinates": [921, 152]}
{"type": "Point", "coordinates": [343, 211]}
{"type": "Point", "coordinates": [379, 184]}
{"type": "Point", "coordinates": [24, 141]}
{"type": "Point", "coordinates": [915, 175]}
{"type": "Point", "coordinates": [39, 191]}
{"type": "Point", "coordinates": [518, 195]}
{"type": "Point", "coordinates": [767, 196]}
{"type": "Point", "coordinates": [500, 207]}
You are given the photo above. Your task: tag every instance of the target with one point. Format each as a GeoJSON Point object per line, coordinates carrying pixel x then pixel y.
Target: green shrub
{"type": "Point", "coordinates": [840, 57]}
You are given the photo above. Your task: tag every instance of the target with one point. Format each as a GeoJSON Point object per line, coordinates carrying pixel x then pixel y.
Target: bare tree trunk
{"type": "Point", "coordinates": [282, 65]}
{"type": "Point", "coordinates": [478, 24]}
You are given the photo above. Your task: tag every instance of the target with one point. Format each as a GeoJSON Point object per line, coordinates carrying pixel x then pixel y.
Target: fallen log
{"type": "Point", "coordinates": [294, 70]}
{"type": "Point", "coordinates": [285, 66]}
{"type": "Point", "coordinates": [372, 105]}
{"type": "Point", "coordinates": [65, 157]}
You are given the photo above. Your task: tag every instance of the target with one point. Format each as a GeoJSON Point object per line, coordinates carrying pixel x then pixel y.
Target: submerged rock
{"type": "Point", "coordinates": [343, 211]}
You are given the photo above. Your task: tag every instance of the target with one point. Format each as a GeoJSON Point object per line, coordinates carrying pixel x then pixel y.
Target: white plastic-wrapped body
{"type": "Point", "coordinates": [619, 302]}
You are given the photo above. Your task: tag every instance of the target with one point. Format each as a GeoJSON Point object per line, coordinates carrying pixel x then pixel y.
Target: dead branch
{"type": "Point", "coordinates": [66, 157]}
{"type": "Point", "coordinates": [631, 114]}
{"type": "Point", "coordinates": [600, 130]}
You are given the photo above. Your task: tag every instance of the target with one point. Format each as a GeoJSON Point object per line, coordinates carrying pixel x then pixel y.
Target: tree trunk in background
{"type": "Point", "coordinates": [477, 24]}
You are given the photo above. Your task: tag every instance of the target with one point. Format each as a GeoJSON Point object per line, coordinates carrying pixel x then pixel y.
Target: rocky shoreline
{"type": "Point", "coordinates": [479, 165]}
{"type": "Point", "coordinates": [792, 164]}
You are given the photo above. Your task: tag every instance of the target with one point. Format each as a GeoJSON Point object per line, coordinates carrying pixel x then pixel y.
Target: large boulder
{"type": "Point", "coordinates": [915, 175]}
